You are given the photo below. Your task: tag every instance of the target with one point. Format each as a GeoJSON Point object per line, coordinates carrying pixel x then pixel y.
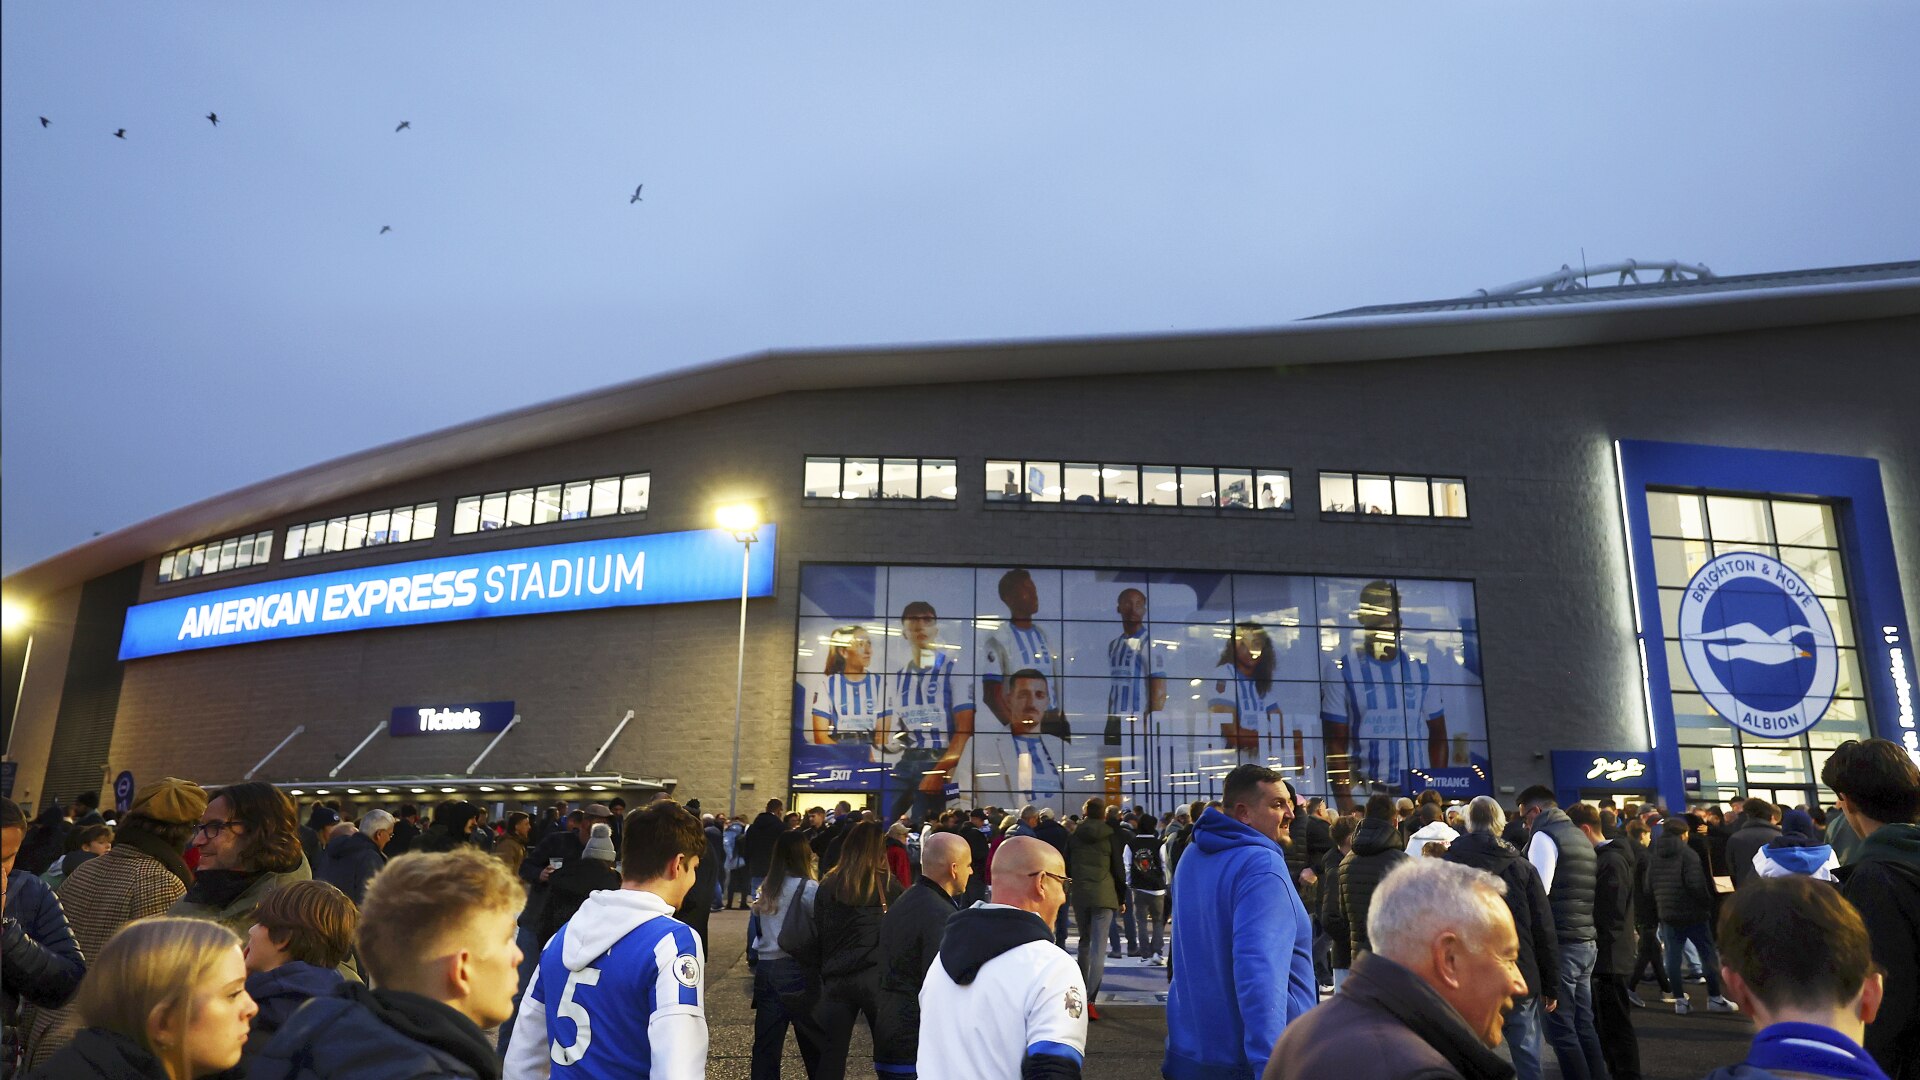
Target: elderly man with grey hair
{"type": "Point", "coordinates": [1429, 1000]}
{"type": "Point", "coordinates": [1483, 849]}
{"type": "Point", "coordinates": [352, 858]}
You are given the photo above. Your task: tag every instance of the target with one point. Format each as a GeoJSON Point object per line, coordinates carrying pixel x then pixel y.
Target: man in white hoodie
{"type": "Point", "coordinates": [1432, 828]}
{"type": "Point", "coordinates": [620, 990]}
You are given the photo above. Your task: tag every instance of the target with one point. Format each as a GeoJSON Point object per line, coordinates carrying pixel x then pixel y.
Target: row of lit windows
{"type": "Point", "coordinates": [1394, 494]}
{"type": "Point", "coordinates": [400, 525]}
{"type": "Point", "coordinates": [570, 501]}
{"type": "Point", "coordinates": [881, 478]}
{"type": "Point", "coordinates": [233, 553]}
{"type": "Point", "coordinates": [1139, 485]}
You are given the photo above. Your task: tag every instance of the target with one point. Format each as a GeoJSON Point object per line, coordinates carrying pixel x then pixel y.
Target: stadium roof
{"type": "Point", "coordinates": [1445, 328]}
{"type": "Point", "coordinates": [1568, 287]}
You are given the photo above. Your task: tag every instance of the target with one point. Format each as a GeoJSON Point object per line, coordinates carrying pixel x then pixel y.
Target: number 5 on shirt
{"type": "Point", "coordinates": [576, 1012]}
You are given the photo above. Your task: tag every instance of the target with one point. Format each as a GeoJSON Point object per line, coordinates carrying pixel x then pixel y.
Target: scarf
{"type": "Point", "coordinates": [133, 835]}
{"type": "Point", "coordinates": [1810, 1048]}
{"type": "Point", "coordinates": [218, 888]}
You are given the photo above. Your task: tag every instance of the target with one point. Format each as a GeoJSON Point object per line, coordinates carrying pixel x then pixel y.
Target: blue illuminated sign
{"type": "Point", "coordinates": [433, 719]}
{"type": "Point", "coordinates": [1454, 783]}
{"type": "Point", "coordinates": [663, 568]}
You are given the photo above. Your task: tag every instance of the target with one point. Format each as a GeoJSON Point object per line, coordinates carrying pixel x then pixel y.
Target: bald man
{"type": "Point", "coordinates": [1004, 1002]}
{"type": "Point", "coordinates": [910, 936]}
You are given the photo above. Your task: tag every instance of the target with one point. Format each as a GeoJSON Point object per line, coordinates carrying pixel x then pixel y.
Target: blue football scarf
{"type": "Point", "coordinates": [1810, 1048]}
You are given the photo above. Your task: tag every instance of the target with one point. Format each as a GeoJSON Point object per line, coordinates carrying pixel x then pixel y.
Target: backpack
{"type": "Point", "coordinates": [800, 932]}
{"type": "Point", "coordinates": [1146, 870]}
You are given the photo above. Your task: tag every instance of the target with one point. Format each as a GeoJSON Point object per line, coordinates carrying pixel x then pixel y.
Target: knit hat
{"type": "Point", "coordinates": [322, 816]}
{"type": "Point", "coordinates": [170, 799]}
{"type": "Point", "coordinates": [1798, 823]}
{"type": "Point", "coordinates": [601, 845]}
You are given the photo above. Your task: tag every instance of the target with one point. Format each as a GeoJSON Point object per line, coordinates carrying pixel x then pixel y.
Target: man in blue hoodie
{"type": "Point", "coordinates": [1795, 956]}
{"type": "Point", "coordinates": [1244, 942]}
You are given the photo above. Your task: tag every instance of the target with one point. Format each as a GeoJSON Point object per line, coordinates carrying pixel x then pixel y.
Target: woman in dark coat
{"type": "Point", "coordinates": [852, 900]}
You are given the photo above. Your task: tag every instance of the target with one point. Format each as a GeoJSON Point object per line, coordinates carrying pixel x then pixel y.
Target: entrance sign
{"type": "Point", "coordinates": [662, 568]}
{"type": "Point", "coordinates": [1758, 644]}
{"type": "Point", "coordinates": [435, 719]}
{"type": "Point", "coordinates": [1454, 783]}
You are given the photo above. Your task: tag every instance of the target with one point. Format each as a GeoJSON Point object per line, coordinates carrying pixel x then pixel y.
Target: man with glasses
{"type": "Point", "coordinates": [1002, 1001]}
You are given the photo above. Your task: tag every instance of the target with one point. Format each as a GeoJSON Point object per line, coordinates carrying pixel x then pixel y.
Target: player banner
{"type": "Point", "coordinates": [1014, 684]}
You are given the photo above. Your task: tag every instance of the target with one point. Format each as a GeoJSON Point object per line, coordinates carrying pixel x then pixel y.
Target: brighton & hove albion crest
{"type": "Point", "coordinates": [1758, 644]}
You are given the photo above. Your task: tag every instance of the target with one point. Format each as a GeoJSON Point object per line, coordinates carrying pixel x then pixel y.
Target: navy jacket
{"type": "Point", "coordinates": [350, 862]}
{"type": "Point", "coordinates": [376, 1035]}
{"type": "Point", "coordinates": [280, 993]}
{"type": "Point", "coordinates": [99, 1054]}
{"type": "Point", "coordinates": [39, 959]}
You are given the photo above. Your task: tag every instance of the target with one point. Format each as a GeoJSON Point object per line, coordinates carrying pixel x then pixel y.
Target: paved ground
{"type": "Point", "coordinates": [1128, 1041]}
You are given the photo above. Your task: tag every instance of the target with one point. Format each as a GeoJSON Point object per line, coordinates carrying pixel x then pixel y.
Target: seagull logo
{"type": "Point", "coordinates": [1745, 641]}
{"type": "Point", "coordinates": [1770, 680]}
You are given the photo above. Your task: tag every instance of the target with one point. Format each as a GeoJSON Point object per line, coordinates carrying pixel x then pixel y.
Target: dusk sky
{"type": "Point", "coordinates": [194, 308]}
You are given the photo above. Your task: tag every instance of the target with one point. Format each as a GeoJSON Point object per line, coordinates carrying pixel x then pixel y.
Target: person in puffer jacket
{"type": "Point", "coordinates": [1683, 896]}
{"type": "Point", "coordinates": [1377, 848]}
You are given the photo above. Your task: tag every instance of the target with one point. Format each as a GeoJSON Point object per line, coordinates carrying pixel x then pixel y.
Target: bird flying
{"type": "Point", "coordinates": [385, 229]}
{"type": "Point", "coordinates": [214, 118]}
{"type": "Point", "coordinates": [121, 134]}
{"type": "Point", "coordinates": [44, 121]}
{"type": "Point", "coordinates": [404, 125]}
{"type": "Point", "coordinates": [636, 195]}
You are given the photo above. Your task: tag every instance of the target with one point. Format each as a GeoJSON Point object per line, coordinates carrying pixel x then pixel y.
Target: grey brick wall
{"type": "Point", "coordinates": [1532, 432]}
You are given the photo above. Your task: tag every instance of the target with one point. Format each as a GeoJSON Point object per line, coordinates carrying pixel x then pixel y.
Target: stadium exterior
{"type": "Point", "coordinates": [1473, 543]}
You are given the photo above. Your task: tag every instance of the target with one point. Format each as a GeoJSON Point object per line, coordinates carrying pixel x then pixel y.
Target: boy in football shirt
{"type": "Point", "coordinates": [1137, 683]}
{"type": "Point", "coordinates": [620, 989]}
{"type": "Point", "coordinates": [1018, 645]}
{"type": "Point", "coordinates": [1370, 695]}
{"type": "Point", "coordinates": [930, 716]}
{"type": "Point", "coordinates": [1035, 772]}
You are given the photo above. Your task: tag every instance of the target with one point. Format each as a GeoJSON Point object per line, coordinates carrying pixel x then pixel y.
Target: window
{"type": "Point", "coordinates": [1688, 530]}
{"type": "Point", "coordinates": [214, 556]}
{"type": "Point", "coordinates": [394, 525]}
{"type": "Point", "coordinates": [1084, 483]}
{"type": "Point", "coordinates": [894, 479]}
{"type": "Point", "coordinates": [604, 496]}
{"type": "Point", "coordinates": [1390, 495]}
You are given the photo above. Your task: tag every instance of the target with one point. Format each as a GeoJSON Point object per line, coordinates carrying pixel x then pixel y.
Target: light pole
{"type": "Point", "coordinates": [13, 617]}
{"type": "Point", "coordinates": [742, 520]}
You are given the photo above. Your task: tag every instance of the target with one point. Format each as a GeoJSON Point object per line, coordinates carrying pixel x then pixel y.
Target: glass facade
{"type": "Point", "coordinates": [398, 525]}
{"type": "Point", "coordinates": [1690, 529]}
{"type": "Point", "coordinates": [233, 553]}
{"type": "Point", "coordinates": [1211, 487]}
{"type": "Point", "coordinates": [872, 479]}
{"type": "Point", "coordinates": [1393, 495]}
{"type": "Point", "coordinates": [606, 496]}
{"type": "Point", "coordinates": [1052, 686]}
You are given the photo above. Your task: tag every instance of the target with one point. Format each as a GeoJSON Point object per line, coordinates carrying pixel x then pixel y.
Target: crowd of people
{"type": "Point", "coordinates": [221, 934]}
